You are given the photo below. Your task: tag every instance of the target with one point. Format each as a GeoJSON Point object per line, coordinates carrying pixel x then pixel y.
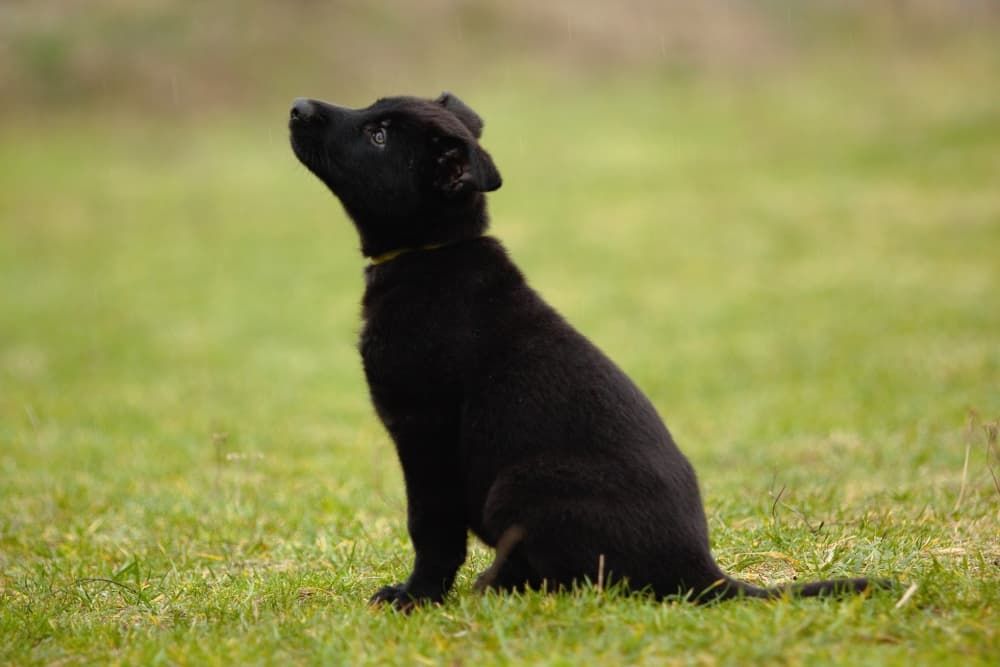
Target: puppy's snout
{"type": "Point", "coordinates": [302, 109]}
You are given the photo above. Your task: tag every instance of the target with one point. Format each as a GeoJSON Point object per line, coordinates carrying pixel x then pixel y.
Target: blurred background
{"type": "Point", "coordinates": [178, 57]}
{"type": "Point", "coordinates": [781, 217]}
{"type": "Point", "coordinates": [244, 58]}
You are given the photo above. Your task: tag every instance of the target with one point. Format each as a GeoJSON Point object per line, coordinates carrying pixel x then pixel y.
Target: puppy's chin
{"type": "Point", "coordinates": [311, 159]}
{"type": "Point", "coordinates": [301, 148]}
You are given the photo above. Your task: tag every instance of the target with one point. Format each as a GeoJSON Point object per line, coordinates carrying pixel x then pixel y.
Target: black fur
{"type": "Point", "coordinates": [507, 421]}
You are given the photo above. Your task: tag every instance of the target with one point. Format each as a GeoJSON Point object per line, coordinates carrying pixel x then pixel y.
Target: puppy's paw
{"type": "Point", "coordinates": [398, 597]}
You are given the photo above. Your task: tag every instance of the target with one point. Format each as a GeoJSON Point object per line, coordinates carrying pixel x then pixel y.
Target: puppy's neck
{"type": "Point", "coordinates": [384, 239]}
{"type": "Point", "coordinates": [393, 254]}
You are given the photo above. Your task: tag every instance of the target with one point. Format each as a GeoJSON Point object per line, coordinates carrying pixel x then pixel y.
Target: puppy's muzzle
{"type": "Point", "coordinates": [303, 109]}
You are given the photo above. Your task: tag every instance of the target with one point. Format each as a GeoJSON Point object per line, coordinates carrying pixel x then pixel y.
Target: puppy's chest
{"type": "Point", "coordinates": [408, 348]}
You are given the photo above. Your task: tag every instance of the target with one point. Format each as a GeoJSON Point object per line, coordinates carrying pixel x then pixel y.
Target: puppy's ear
{"type": "Point", "coordinates": [464, 167]}
{"type": "Point", "coordinates": [461, 111]}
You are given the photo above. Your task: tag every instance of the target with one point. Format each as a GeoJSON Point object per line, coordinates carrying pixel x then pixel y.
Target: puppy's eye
{"type": "Point", "coordinates": [378, 136]}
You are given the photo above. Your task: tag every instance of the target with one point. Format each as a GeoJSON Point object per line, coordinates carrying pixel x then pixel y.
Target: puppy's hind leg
{"type": "Point", "coordinates": [509, 570]}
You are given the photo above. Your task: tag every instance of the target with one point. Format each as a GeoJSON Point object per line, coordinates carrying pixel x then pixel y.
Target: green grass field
{"type": "Point", "coordinates": [801, 272]}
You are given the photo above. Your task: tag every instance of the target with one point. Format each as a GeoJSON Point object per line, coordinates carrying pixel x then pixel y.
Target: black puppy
{"type": "Point", "coordinates": [507, 421]}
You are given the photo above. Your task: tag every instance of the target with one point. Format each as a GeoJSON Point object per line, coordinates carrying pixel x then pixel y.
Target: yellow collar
{"type": "Point", "coordinates": [390, 255]}
{"type": "Point", "coordinates": [393, 254]}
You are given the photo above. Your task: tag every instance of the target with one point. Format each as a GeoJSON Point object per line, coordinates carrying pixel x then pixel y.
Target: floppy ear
{"type": "Point", "coordinates": [469, 118]}
{"type": "Point", "coordinates": [464, 167]}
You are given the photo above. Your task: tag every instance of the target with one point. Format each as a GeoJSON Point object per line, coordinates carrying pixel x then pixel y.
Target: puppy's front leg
{"type": "Point", "coordinates": [435, 518]}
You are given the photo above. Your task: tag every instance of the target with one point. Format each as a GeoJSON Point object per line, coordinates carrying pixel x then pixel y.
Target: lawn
{"type": "Point", "coordinates": [801, 271]}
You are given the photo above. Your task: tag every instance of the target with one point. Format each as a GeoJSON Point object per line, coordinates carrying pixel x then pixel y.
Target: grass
{"type": "Point", "coordinates": [801, 272]}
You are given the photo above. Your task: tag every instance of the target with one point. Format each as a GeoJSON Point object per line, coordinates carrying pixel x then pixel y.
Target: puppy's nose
{"type": "Point", "coordinates": [302, 109]}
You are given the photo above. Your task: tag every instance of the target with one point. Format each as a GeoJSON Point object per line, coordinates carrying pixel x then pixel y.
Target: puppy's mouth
{"type": "Point", "coordinates": [302, 150]}
{"type": "Point", "coordinates": [309, 124]}
{"type": "Point", "coordinates": [313, 158]}
{"type": "Point", "coordinates": [303, 120]}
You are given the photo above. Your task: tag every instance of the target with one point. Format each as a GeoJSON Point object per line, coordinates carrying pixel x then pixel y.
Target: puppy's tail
{"type": "Point", "coordinates": [728, 588]}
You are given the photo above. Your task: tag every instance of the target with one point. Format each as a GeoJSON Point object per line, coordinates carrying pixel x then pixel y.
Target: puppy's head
{"type": "Point", "coordinates": [409, 171]}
